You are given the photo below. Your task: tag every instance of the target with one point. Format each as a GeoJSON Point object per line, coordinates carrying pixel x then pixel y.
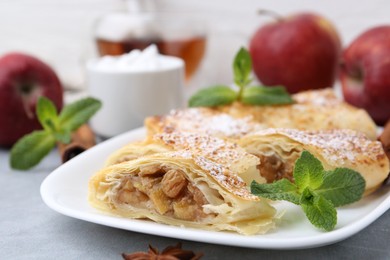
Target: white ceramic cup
{"type": "Point", "coordinates": [130, 96]}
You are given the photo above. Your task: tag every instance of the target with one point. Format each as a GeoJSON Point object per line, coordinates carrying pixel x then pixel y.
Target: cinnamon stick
{"type": "Point", "coordinates": [82, 139]}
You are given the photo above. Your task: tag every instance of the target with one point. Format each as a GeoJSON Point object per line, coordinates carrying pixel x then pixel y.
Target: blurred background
{"type": "Point", "coordinates": [63, 32]}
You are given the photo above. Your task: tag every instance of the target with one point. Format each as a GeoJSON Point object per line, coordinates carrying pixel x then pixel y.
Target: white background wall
{"type": "Point", "coordinates": [60, 31]}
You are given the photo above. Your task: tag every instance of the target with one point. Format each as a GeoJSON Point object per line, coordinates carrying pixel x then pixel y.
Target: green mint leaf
{"type": "Point", "coordinates": [308, 172]}
{"type": "Point", "coordinates": [78, 113]}
{"type": "Point", "coordinates": [320, 212]}
{"type": "Point", "coordinates": [279, 190]}
{"type": "Point", "coordinates": [342, 186]}
{"type": "Point", "coordinates": [259, 95]}
{"type": "Point", "coordinates": [213, 96]}
{"type": "Point", "coordinates": [317, 191]}
{"type": "Point", "coordinates": [242, 67]}
{"type": "Point", "coordinates": [31, 149]}
{"type": "Point", "coordinates": [63, 136]}
{"type": "Point", "coordinates": [47, 113]}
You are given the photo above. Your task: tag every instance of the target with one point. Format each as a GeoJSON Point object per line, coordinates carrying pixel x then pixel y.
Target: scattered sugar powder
{"type": "Point", "coordinates": [185, 154]}
{"type": "Point", "coordinates": [225, 177]}
{"type": "Point", "coordinates": [211, 147]}
{"type": "Point", "coordinates": [187, 145]}
{"type": "Point", "coordinates": [325, 97]}
{"type": "Point", "coordinates": [208, 121]}
{"type": "Point", "coordinates": [338, 145]}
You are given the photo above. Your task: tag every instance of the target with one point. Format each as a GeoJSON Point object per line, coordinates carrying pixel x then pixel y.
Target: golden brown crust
{"type": "Point", "coordinates": [223, 161]}
{"type": "Point", "coordinates": [312, 110]}
{"type": "Point", "coordinates": [196, 150]}
{"type": "Point", "coordinates": [202, 120]}
{"type": "Point", "coordinates": [223, 200]}
{"type": "Point", "coordinates": [337, 145]}
{"type": "Point", "coordinates": [320, 97]}
{"type": "Point", "coordinates": [209, 151]}
{"type": "Point", "coordinates": [335, 148]}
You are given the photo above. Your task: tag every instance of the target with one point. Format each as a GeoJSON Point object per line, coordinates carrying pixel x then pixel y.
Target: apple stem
{"type": "Point", "coordinates": [270, 13]}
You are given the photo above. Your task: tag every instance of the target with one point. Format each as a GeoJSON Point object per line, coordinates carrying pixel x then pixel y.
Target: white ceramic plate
{"type": "Point", "coordinates": [65, 191]}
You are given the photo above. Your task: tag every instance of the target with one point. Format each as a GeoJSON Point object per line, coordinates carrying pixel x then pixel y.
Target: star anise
{"type": "Point", "coordinates": [169, 253]}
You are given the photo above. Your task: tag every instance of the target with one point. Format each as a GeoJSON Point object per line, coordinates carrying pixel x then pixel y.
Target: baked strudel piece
{"type": "Point", "coordinates": [312, 110]}
{"type": "Point", "coordinates": [203, 120]}
{"type": "Point", "coordinates": [229, 154]}
{"type": "Point", "coordinates": [192, 186]}
{"type": "Point", "coordinates": [278, 149]}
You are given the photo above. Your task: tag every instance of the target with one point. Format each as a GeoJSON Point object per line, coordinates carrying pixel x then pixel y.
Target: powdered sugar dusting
{"type": "Point", "coordinates": [208, 121]}
{"type": "Point", "coordinates": [213, 155]}
{"type": "Point", "coordinates": [225, 177]}
{"type": "Point", "coordinates": [213, 148]}
{"type": "Point", "coordinates": [222, 174]}
{"type": "Point", "coordinates": [337, 146]}
{"type": "Point", "coordinates": [324, 97]}
{"type": "Point", "coordinates": [185, 154]}
{"type": "Point", "coordinates": [316, 109]}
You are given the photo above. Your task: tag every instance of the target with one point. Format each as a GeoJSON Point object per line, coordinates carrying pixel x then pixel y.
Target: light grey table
{"type": "Point", "coordinates": [31, 230]}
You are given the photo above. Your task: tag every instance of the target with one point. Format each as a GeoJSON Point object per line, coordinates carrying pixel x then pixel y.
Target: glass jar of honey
{"type": "Point", "coordinates": [143, 24]}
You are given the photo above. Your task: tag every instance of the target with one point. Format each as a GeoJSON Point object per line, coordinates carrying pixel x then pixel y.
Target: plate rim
{"type": "Point", "coordinates": [192, 234]}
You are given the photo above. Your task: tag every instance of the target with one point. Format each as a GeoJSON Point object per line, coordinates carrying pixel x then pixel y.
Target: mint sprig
{"type": "Point", "coordinates": [242, 67]}
{"type": "Point", "coordinates": [32, 148]}
{"type": "Point", "coordinates": [213, 96]}
{"type": "Point", "coordinates": [317, 191]}
{"type": "Point", "coordinates": [249, 95]}
{"type": "Point", "coordinates": [263, 96]}
{"type": "Point", "coordinates": [320, 211]}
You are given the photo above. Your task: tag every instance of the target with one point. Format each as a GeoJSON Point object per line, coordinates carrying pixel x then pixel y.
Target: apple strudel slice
{"type": "Point", "coordinates": [278, 149]}
{"type": "Point", "coordinates": [202, 120]}
{"type": "Point", "coordinates": [312, 110]}
{"type": "Point", "coordinates": [180, 188]}
{"type": "Point", "coordinates": [229, 154]}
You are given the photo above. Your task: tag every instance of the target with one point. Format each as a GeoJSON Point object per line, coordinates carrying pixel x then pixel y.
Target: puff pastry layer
{"type": "Point", "coordinates": [193, 183]}
{"type": "Point", "coordinates": [312, 110]}
{"type": "Point", "coordinates": [278, 149]}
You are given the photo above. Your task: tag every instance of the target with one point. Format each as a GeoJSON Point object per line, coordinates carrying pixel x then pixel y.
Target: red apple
{"type": "Point", "coordinates": [299, 52]}
{"type": "Point", "coordinates": [365, 73]}
{"type": "Point", "coordinates": [23, 79]}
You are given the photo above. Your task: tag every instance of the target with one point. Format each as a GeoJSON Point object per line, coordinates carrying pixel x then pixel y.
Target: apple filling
{"type": "Point", "coordinates": [272, 167]}
{"type": "Point", "coordinates": [165, 191]}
